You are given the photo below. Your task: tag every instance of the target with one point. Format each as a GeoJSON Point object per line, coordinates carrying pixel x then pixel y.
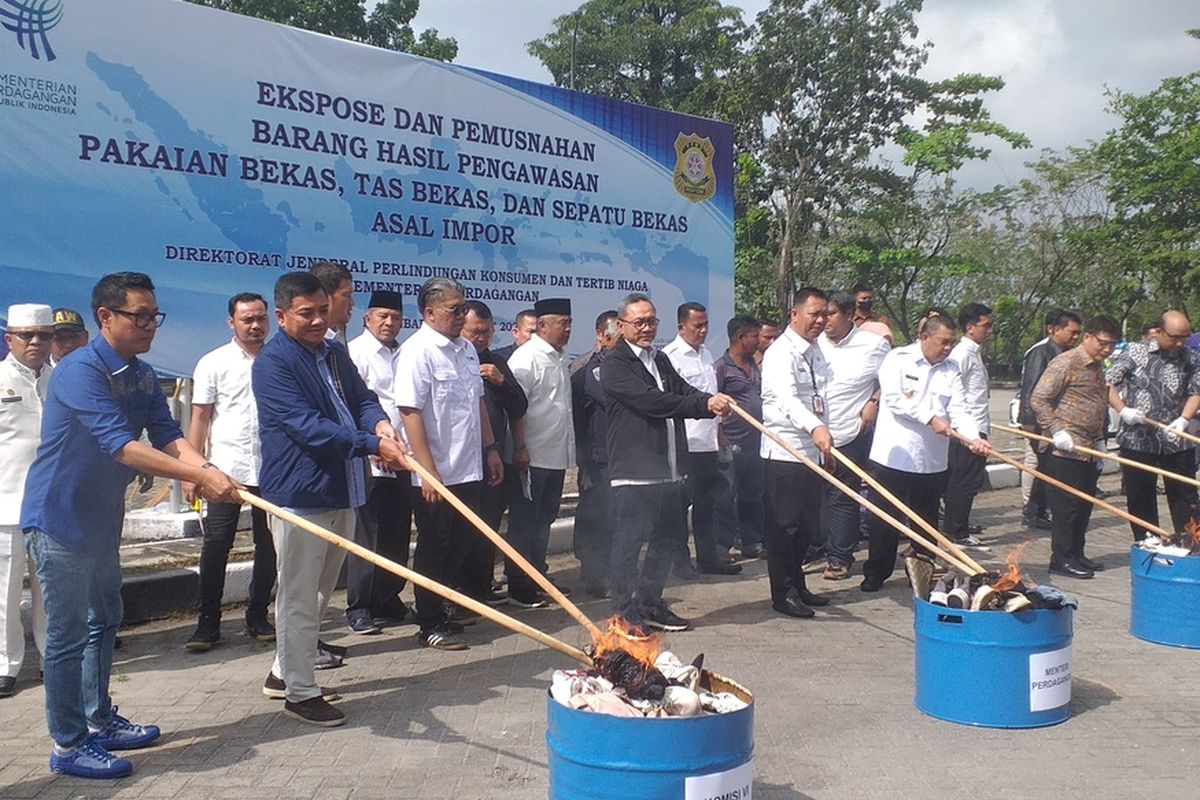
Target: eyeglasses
{"type": "Point", "coordinates": [29, 336]}
{"type": "Point", "coordinates": [142, 319]}
{"type": "Point", "coordinates": [1108, 343]}
{"type": "Point", "coordinates": [459, 310]}
{"type": "Point", "coordinates": [1176, 337]}
{"type": "Point", "coordinates": [641, 324]}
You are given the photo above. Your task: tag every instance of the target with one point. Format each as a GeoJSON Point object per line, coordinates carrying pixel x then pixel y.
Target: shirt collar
{"type": "Point", "coordinates": [682, 344]}
{"type": "Point", "coordinates": [796, 339]}
{"type": "Point", "coordinates": [845, 340]}
{"type": "Point", "coordinates": [643, 353]}
{"type": "Point", "coordinates": [444, 341]}
{"type": "Point", "coordinates": [233, 341]}
{"type": "Point", "coordinates": [968, 344]}
{"type": "Point", "coordinates": [109, 357]}
{"type": "Point", "coordinates": [24, 370]}
{"type": "Point", "coordinates": [541, 344]}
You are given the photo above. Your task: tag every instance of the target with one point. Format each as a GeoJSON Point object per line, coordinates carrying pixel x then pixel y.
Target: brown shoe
{"type": "Point", "coordinates": [276, 689]}
{"type": "Point", "coordinates": [836, 572]}
{"type": "Point", "coordinates": [315, 711]}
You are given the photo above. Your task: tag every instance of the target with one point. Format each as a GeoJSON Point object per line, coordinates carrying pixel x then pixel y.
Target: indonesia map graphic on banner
{"type": "Point", "coordinates": [215, 151]}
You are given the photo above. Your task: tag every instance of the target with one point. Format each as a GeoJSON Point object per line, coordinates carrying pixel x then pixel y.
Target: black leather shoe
{"type": "Point", "coordinates": [1087, 563]}
{"type": "Point", "coordinates": [1071, 569]}
{"type": "Point", "coordinates": [8, 685]}
{"type": "Point", "coordinates": [721, 569]}
{"type": "Point", "coordinates": [793, 606]}
{"type": "Point", "coordinates": [810, 599]}
{"type": "Point", "coordinates": [869, 585]}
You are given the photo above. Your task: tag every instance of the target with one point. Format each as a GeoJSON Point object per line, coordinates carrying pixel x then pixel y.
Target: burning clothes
{"type": "Point", "coordinates": [1185, 543]}
{"type": "Point", "coordinates": [1009, 590]}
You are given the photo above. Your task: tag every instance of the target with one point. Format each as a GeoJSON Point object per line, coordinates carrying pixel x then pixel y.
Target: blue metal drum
{"type": "Point", "coordinates": [1165, 602]}
{"type": "Point", "coordinates": [991, 668]}
{"type": "Point", "coordinates": [602, 757]}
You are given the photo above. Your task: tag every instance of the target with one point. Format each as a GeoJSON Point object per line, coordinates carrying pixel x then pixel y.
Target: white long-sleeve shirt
{"type": "Point", "coordinates": [912, 392]}
{"type": "Point", "coordinates": [974, 373]}
{"type": "Point", "coordinates": [794, 373]}
{"type": "Point", "coordinates": [545, 375]}
{"type": "Point", "coordinates": [22, 392]}
{"type": "Point", "coordinates": [696, 366]}
{"type": "Point", "coordinates": [854, 366]}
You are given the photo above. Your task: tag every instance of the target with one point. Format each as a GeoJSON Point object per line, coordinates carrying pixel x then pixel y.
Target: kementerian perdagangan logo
{"type": "Point", "coordinates": [30, 20]}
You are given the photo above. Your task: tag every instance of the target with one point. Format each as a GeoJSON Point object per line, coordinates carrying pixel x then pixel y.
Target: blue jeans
{"type": "Point", "coordinates": [841, 516]}
{"type": "Point", "coordinates": [82, 596]}
{"type": "Point", "coordinates": [747, 490]}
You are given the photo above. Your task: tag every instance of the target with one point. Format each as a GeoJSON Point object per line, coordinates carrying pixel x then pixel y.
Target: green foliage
{"type": "Point", "coordinates": [387, 25]}
{"type": "Point", "coordinates": [670, 54]}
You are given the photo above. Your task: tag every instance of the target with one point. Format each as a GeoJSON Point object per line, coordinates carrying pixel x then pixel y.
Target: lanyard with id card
{"type": "Point", "coordinates": [818, 403]}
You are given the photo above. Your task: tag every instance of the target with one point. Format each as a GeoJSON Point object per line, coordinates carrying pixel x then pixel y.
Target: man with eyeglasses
{"type": "Point", "coordinates": [647, 460]}
{"type": "Point", "coordinates": [225, 423]}
{"type": "Point", "coordinates": [440, 394]}
{"type": "Point", "coordinates": [1160, 381]}
{"type": "Point", "coordinates": [24, 376]}
{"type": "Point", "coordinates": [98, 404]}
{"type": "Point", "coordinates": [70, 334]}
{"type": "Point", "coordinates": [1071, 405]}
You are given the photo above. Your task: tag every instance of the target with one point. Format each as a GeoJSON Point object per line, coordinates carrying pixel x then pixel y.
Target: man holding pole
{"type": "Point", "coordinates": [1071, 405]}
{"type": "Point", "coordinates": [921, 403]}
{"type": "Point", "coordinates": [1161, 382]}
{"type": "Point", "coordinates": [317, 422]}
{"type": "Point", "coordinates": [967, 470]}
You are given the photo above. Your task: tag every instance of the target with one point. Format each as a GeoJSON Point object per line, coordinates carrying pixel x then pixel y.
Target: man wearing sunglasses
{"type": "Point", "coordinates": [1070, 402]}
{"type": "Point", "coordinates": [1157, 380]}
{"type": "Point", "coordinates": [98, 404]}
{"type": "Point", "coordinates": [24, 375]}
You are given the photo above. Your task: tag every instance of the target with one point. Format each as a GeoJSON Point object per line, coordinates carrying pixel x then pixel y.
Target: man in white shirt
{"type": "Point", "coordinates": [854, 356]}
{"type": "Point", "coordinates": [541, 368]}
{"type": "Point", "coordinates": [921, 401]}
{"type": "Point", "coordinates": [967, 470]}
{"type": "Point", "coordinates": [24, 375]}
{"type": "Point", "coordinates": [694, 363]}
{"type": "Point", "coordinates": [440, 394]}
{"type": "Point", "coordinates": [385, 522]}
{"type": "Point", "coordinates": [225, 425]}
{"type": "Point", "coordinates": [795, 380]}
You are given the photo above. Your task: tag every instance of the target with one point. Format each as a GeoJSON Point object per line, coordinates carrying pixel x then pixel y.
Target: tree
{"type": "Point", "coordinates": [387, 25]}
{"type": "Point", "coordinates": [669, 54]}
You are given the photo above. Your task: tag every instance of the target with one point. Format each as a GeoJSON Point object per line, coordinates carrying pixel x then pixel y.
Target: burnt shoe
{"type": "Point", "coordinates": [259, 629]}
{"type": "Point", "coordinates": [793, 606]}
{"type": "Point", "coordinates": [1071, 569]}
{"type": "Point", "coordinates": [208, 633]}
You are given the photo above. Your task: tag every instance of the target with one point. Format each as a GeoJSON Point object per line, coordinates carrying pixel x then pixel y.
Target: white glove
{"type": "Point", "coordinates": [1062, 441]}
{"type": "Point", "coordinates": [1174, 429]}
{"type": "Point", "coordinates": [1132, 416]}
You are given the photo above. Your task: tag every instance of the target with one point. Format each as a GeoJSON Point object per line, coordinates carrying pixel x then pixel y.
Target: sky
{"type": "Point", "coordinates": [1056, 56]}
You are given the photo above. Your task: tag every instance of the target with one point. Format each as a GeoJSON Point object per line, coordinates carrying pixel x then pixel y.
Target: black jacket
{"type": "Point", "coordinates": [1036, 361]}
{"type": "Point", "coordinates": [639, 412]}
{"type": "Point", "coordinates": [505, 404]}
{"type": "Point", "coordinates": [591, 413]}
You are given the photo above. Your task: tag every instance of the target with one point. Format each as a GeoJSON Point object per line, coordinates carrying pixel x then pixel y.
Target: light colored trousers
{"type": "Point", "coordinates": [13, 567]}
{"type": "Point", "coordinates": [1031, 461]}
{"type": "Point", "coordinates": [308, 570]}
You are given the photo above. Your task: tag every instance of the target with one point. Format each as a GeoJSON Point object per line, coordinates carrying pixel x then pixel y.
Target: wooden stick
{"type": "Point", "coordinates": [1181, 434]}
{"type": "Point", "coordinates": [482, 609]}
{"type": "Point", "coordinates": [533, 572]}
{"type": "Point", "coordinates": [944, 540]}
{"type": "Point", "coordinates": [1109, 507]}
{"type": "Point", "coordinates": [1087, 451]}
{"type": "Point", "coordinates": [867, 504]}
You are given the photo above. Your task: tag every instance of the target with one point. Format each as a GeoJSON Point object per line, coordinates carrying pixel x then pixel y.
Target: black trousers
{"type": "Point", "coordinates": [965, 480]}
{"type": "Point", "coordinates": [793, 501]}
{"type": "Point", "coordinates": [645, 515]}
{"type": "Point", "coordinates": [918, 491]}
{"type": "Point", "coordinates": [443, 536]}
{"type": "Point", "coordinates": [594, 525]}
{"type": "Point", "coordinates": [478, 569]}
{"type": "Point", "coordinates": [700, 491]}
{"type": "Point", "coordinates": [1069, 515]}
{"type": "Point", "coordinates": [385, 527]}
{"type": "Point", "coordinates": [529, 524]}
{"type": "Point", "coordinates": [1141, 488]}
{"type": "Point", "coordinates": [220, 527]}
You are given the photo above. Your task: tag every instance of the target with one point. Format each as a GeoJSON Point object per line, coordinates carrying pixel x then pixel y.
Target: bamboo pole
{"type": "Point", "coordinates": [1109, 507]}
{"type": "Point", "coordinates": [1181, 434]}
{"type": "Point", "coordinates": [482, 609]}
{"type": "Point", "coordinates": [1087, 451]}
{"type": "Point", "coordinates": [867, 504]}
{"type": "Point", "coordinates": [944, 540]}
{"type": "Point", "coordinates": [533, 572]}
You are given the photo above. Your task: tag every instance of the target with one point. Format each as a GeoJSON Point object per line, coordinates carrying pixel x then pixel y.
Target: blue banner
{"type": "Point", "coordinates": [214, 151]}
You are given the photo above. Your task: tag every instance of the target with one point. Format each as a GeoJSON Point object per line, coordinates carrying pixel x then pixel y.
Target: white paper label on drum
{"type": "Point", "coordinates": [1050, 679]}
{"type": "Point", "coordinates": [732, 784]}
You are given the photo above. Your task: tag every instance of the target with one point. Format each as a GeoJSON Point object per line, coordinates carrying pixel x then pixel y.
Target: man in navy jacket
{"type": "Point", "coordinates": [318, 422]}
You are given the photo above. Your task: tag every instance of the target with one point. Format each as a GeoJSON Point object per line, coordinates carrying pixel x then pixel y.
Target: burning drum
{"type": "Point", "coordinates": [604, 757]}
{"type": "Point", "coordinates": [1165, 601]}
{"type": "Point", "coordinates": [992, 669]}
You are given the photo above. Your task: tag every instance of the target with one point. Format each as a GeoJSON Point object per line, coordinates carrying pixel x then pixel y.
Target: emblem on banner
{"type": "Point", "coordinates": [694, 178]}
{"type": "Point", "coordinates": [30, 20]}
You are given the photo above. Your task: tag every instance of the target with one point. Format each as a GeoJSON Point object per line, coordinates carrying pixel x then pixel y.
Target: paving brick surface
{"type": "Point", "coordinates": [834, 711]}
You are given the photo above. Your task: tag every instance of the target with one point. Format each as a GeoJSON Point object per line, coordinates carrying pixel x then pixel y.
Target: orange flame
{"type": "Point", "coordinates": [620, 635]}
{"type": "Point", "coordinates": [1192, 529]}
{"type": "Point", "coordinates": [1012, 575]}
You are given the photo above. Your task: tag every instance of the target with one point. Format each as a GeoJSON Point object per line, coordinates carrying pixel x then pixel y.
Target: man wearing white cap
{"type": "Point", "coordinates": [24, 374]}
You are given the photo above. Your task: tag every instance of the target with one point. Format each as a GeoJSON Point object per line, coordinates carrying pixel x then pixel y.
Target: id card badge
{"type": "Point", "coordinates": [818, 405]}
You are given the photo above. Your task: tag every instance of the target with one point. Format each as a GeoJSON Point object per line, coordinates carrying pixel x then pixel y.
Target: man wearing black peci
{"type": "Point", "coordinates": [647, 459]}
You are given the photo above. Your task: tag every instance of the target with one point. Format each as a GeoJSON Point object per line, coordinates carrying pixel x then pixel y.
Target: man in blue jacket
{"type": "Point", "coordinates": [318, 422]}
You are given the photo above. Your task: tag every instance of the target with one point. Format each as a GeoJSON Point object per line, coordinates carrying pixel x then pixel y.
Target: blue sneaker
{"type": "Point", "coordinates": [121, 734]}
{"type": "Point", "coordinates": [90, 760]}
